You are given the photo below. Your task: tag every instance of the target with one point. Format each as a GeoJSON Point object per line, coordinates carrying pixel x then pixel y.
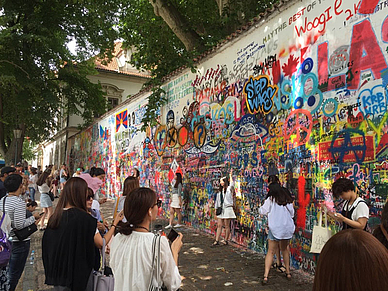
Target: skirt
{"type": "Point", "coordinates": [175, 201]}
{"type": "Point", "coordinates": [45, 200]}
{"type": "Point", "coordinates": [227, 213]}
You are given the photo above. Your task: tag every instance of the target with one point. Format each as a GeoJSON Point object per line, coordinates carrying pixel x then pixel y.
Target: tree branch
{"type": "Point", "coordinates": [178, 24]}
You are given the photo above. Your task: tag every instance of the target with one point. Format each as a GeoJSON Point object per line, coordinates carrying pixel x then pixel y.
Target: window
{"type": "Point", "coordinates": [112, 102]}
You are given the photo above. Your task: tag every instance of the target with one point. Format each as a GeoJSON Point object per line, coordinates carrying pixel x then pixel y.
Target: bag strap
{"type": "Point", "coordinates": [153, 262]}
{"type": "Point", "coordinates": [103, 254]}
{"type": "Point", "coordinates": [117, 205]}
{"type": "Point", "coordinates": [158, 262]}
{"type": "Point", "coordinates": [2, 219]}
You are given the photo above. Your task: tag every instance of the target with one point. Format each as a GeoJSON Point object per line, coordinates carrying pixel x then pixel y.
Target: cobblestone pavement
{"type": "Point", "coordinates": [201, 266]}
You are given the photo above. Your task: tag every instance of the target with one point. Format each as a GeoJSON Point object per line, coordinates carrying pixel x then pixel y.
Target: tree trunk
{"type": "Point", "coordinates": [178, 24]}
{"type": "Point", "coordinates": [221, 5]}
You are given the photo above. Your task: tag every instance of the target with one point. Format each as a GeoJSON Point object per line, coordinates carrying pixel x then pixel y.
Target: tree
{"type": "Point", "coordinates": [40, 79]}
{"type": "Point", "coordinates": [169, 34]}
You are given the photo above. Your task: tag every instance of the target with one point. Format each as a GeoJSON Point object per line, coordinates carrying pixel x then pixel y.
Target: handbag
{"type": "Point", "coordinates": [320, 235]}
{"type": "Point", "coordinates": [24, 233]}
{"type": "Point", "coordinates": [101, 281]}
{"type": "Point", "coordinates": [5, 244]}
{"type": "Point", "coordinates": [156, 266]}
{"type": "Point", "coordinates": [219, 209]}
{"type": "Point", "coordinates": [51, 195]}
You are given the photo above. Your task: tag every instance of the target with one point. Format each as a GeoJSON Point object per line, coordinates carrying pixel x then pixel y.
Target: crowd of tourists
{"type": "Point", "coordinates": [77, 236]}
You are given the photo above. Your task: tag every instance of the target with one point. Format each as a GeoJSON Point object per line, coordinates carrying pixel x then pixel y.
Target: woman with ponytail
{"type": "Point", "coordinates": [133, 270]}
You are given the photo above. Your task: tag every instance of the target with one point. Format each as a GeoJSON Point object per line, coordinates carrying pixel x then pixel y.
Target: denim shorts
{"type": "Point", "coordinates": [271, 237]}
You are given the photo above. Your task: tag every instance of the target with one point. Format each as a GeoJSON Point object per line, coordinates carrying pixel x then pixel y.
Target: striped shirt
{"type": "Point", "coordinates": [15, 207]}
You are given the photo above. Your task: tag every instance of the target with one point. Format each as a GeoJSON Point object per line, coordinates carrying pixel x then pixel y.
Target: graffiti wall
{"type": "Point", "coordinates": [302, 95]}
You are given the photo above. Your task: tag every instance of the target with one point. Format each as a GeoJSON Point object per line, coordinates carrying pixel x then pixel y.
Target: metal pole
{"type": "Point", "coordinates": [16, 150]}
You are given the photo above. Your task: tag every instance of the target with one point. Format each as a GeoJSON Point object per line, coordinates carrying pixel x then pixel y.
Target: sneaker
{"type": "Point", "coordinates": [179, 225]}
{"type": "Point", "coordinates": [168, 226]}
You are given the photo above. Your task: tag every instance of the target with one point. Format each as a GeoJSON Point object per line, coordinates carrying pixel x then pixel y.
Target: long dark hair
{"type": "Point", "coordinates": [352, 260]}
{"type": "Point", "coordinates": [130, 184]}
{"type": "Point", "coordinates": [74, 194]}
{"type": "Point", "coordinates": [378, 232]}
{"type": "Point", "coordinates": [136, 207]}
{"type": "Point", "coordinates": [43, 178]}
{"type": "Point", "coordinates": [226, 183]}
{"type": "Point", "coordinates": [137, 173]}
{"type": "Point", "coordinates": [94, 172]}
{"type": "Point", "coordinates": [279, 194]}
{"type": "Point", "coordinates": [178, 180]}
{"type": "Point", "coordinates": [273, 179]}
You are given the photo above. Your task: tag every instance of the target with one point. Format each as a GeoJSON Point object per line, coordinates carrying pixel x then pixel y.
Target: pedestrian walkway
{"type": "Point", "coordinates": [202, 267]}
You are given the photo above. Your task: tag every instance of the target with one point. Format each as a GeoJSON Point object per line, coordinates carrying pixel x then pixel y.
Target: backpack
{"type": "Point", "coordinates": [5, 244]}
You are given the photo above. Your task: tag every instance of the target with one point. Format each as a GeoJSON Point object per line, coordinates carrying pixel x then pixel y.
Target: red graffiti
{"type": "Point", "coordinates": [384, 30]}
{"type": "Point", "coordinates": [368, 6]}
{"type": "Point", "coordinates": [300, 123]}
{"type": "Point", "coordinates": [303, 201]}
{"type": "Point", "coordinates": [276, 72]}
{"type": "Point", "coordinates": [365, 53]}
{"type": "Point", "coordinates": [290, 67]}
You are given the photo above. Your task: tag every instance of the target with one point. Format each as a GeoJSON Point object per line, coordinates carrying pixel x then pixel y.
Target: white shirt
{"type": "Point", "coordinates": [131, 262]}
{"type": "Point", "coordinates": [44, 188]}
{"type": "Point", "coordinates": [279, 218]}
{"type": "Point", "coordinates": [96, 205]}
{"type": "Point", "coordinates": [32, 181]}
{"type": "Point", "coordinates": [228, 197]}
{"type": "Point", "coordinates": [361, 210]}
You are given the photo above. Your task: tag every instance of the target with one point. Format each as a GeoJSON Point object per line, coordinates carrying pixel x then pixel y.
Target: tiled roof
{"type": "Point", "coordinates": [113, 65]}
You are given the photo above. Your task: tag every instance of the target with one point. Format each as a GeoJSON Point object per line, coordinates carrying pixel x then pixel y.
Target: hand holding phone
{"type": "Point", "coordinates": [172, 235]}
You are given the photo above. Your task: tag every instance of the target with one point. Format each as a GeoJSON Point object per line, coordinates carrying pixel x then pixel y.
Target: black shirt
{"type": "Point", "coordinates": [68, 251]}
{"type": "Point", "coordinates": [3, 191]}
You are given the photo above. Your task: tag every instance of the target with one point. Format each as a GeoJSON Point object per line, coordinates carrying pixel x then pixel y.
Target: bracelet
{"type": "Point", "coordinates": [114, 225]}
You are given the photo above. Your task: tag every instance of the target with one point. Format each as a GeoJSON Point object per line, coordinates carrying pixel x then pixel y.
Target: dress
{"type": "Point", "coordinates": [45, 200]}
{"type": "Point", "coordinates": [227, 205]}
{"type": "Point", "coordinates": [132, 271]}
{"type": "Point", "coordinates": [68, 251]}
{"type": "Point", "coordinates": [280, 222]}
{"type": "Point", "coordinates": [176, 193]}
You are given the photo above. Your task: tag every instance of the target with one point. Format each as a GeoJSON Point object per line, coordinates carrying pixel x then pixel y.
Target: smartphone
{"type": "Point", "coordinates": [172, 235]}
{"type": "Point", "coordinates": [40, 214]}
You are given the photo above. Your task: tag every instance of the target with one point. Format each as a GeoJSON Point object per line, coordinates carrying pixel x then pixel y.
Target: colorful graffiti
{"type": "Point", "coordinates": [309, 108]}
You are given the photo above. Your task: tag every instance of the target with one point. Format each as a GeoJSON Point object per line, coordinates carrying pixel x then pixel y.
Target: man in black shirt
{"type": "Point", "coordinates": [5, 172]}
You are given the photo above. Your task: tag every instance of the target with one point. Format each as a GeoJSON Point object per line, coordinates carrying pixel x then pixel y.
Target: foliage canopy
{"type": "Point", "coordinates": [157, 47]}
{"type": "Point", "coordinates": [38, 75]}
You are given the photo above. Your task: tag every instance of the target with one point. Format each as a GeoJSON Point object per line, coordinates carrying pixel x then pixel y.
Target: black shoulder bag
{"type": "Point", "coordinates": [219, 209]}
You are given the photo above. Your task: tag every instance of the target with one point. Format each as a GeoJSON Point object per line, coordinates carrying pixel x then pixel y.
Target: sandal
{"type": "Point", "coordinates": [264, 281]}
{"type": "Point", "coordinates": [216, 243]}
{"type": "Point", "coordinates": [225, 242]}
{"type": "Point", "coordinates": [281, 269]}
{"type": "Point", "coordinates": [288, 276]}
{"type": "Point", "coordinates": [275, 265]}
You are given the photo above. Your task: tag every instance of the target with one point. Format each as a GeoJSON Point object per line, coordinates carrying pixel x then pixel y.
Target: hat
{"type": "Point", "coordinates": [93, 183]}
{"type": "Point", "coordinates": [7, 170]}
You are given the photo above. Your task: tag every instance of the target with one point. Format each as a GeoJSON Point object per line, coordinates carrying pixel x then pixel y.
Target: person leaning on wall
{"type": "Point", "coordinates": [355, 212]}
{"type": "Point", "coordinates": [354, 260]}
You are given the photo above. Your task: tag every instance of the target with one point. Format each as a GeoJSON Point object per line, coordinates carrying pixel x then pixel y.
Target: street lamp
{"type": "Point", "coordinates": [17, 133]}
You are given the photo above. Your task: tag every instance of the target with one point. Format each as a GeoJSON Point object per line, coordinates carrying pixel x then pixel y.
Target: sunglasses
{"type": "Point", "coordinates": [158, 203]}
{"type": "Point", "coordinates": [89, 197]}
